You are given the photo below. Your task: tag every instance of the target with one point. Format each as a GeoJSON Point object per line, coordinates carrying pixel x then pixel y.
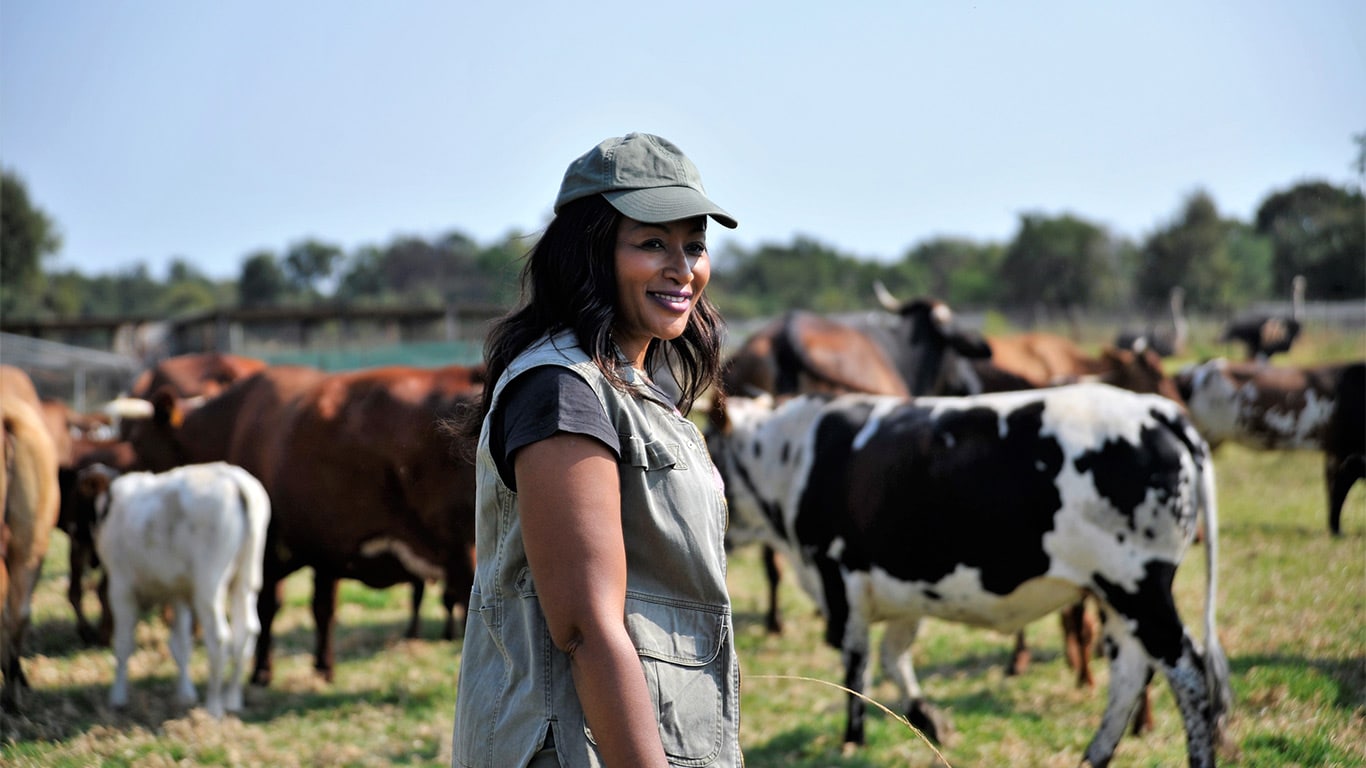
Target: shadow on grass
{"type": "Point", "coordinates": [804, 747]}
{"type": "Point", "coordinates": [1348, 675]}
{"type": "Point", "coordinates": [350, 641]}
{"type": "Point", "coordinates": [62, 713]}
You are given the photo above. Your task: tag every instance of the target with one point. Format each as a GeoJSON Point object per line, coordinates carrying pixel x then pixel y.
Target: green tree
{"type": "Point", "coordinates": [1192, 252]}
{"type": "Point", "coordinates": [27, 236]}
{"type": "Point", "coordinates": [308, 264]}
{"type": "Point", "coordinates": [501, 265]}
{"type": "Point", "coordinates": [1319, 231]}
{"type": "Point", "coordinates": [188, 289]}
{"type": "Point", "coordinates": [805, 275]}
{"type": "Point", "coordinates": [956, 270]}
{"type": "Point", "coordinates": [362, 278]}
{"type": "Point", "coordinates": [1057, 262]}
{"type": "Point", "coordinates": [131, 291]}
{"type": "Point", "coordinates": [263, 282]}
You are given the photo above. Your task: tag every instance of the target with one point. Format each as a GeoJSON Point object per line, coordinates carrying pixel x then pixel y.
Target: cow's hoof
{"type": "Point", "coordinates": [325, 673]}
{"type": "Point", "coordinates": [261, 677]}
{"type": "Point", "coordinates": [929, 720]}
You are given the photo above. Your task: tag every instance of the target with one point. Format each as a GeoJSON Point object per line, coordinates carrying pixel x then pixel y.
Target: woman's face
{"type": "Point", "coordinates": [661, 271]}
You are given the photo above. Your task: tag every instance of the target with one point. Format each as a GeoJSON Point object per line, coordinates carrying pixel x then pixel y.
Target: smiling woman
{"type": "Point", "coordinates": [601, 585]}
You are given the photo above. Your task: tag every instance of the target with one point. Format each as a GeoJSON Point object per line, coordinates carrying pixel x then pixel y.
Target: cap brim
{"type": "Point", "coordinates": [656, 205]}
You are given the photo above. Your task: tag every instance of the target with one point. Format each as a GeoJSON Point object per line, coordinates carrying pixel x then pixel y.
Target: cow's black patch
{"type": "Point", "coordinates": [928, 494]}
{"type": "Point", "coordinates": [1125, 472]}
{"type": "Point", "coordinates": [1151, 609]}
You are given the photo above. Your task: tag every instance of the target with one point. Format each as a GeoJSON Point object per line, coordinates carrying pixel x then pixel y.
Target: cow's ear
{"type": "Point", "coordinates": [969, 344]}
{"type": "Point", "coordinates": [165, 408]}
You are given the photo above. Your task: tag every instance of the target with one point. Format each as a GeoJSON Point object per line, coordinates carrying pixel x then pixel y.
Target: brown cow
{"type": "Point", "coordinates": [30, 513]}
{"type": "Point", "coordinates": [195, 374]}
{"type": "Point", "coordinates": [362, 484]}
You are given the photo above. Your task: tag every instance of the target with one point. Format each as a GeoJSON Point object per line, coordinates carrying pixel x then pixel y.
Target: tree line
{"type": "Point", "coordinates": [1062, 262]}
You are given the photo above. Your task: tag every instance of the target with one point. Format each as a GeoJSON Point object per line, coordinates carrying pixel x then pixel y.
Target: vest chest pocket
{"type": "Point", "coordinates": [652, 455]}
{"type": "Point", "coordinates": [683, 651]}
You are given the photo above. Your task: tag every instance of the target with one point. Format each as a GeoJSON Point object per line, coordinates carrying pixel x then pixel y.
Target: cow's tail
{"type": "Point", "coordinates": [1216, 663]}
{"type": "Point", "coordinates": [256, 508]}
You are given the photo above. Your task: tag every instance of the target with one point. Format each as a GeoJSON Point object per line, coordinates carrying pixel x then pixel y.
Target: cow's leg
{"type": "Point", "coordinates": [245, 628]}
{"type": "Point", "coordinates": [1019, 658]}
{"type": "Point", "coordinates": [182, 645]}
{"type": "Point", "coordinates": [1130, 671]}
{"type": "Point", "coordinates": [1145, 631]}
{"type": "Point", "coordinates": [78, 557]}
{"type": "Point", "coordinates": [211, 607]}
{"type": "Point", "coordinates": [452, 598]}
{"type": "Point", "coordinates": [856, 680]}
{"type": "Point", "coordinates": [267, 604]}
{"type": "Point", "coordinates": [773, 622]}
{"type": "Point", "coordinates": [106, 631]}
{"type": "Point", "coordinates": [414, 618]}
{"type": "Point", "coordinates": [897, 639]}
{"type": "Point", "coordinates": [15, 619]}
{"type": "Point", "coordinates": [124, 610]}
{"type": "Point", "coordinates": [324, 620]}
{"type": "Point", "coordinates": [1078, 635]}
{"type": "Point", "coordinates": [1341, 474]}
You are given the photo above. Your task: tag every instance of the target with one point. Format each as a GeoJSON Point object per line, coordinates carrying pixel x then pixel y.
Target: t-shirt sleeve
{"type": "Point", "coordinates": [540, 403]}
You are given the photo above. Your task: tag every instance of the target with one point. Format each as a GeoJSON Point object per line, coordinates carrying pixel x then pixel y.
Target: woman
{"type": "Point", "coordinates": [599, 631]}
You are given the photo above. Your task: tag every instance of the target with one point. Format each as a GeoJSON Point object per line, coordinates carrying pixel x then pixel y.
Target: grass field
{"type": "Point", "coordinates": [1292, 617]}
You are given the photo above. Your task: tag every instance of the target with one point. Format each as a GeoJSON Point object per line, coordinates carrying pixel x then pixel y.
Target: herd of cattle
{"type": "Point", "coordinates": [855, 451]}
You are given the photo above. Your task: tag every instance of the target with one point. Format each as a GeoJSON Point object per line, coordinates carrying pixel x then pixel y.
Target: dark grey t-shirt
{"type": "Point", "coordinates": [538, 404]}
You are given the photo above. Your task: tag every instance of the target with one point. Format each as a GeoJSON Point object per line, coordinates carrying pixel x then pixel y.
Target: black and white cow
{"type": "Point", "coordinates": [992, 511]}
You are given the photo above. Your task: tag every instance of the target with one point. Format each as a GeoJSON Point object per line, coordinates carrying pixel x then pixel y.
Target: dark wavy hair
{"type": "Point", "coordinates": [569, 281]}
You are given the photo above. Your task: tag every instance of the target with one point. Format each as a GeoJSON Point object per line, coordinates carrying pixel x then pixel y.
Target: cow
{"type": "Point", "coordinates": [1034, 360]}
{"type": "Point", "coordinates": [362, 482]}
{"type": "Point", "coordinates": [28, 486]}
{"type": "Point", "coordinates": [920, 351]}
{"type": "Point", "coordinates": [1266, 407]}
{"type": "Point", "coordinates": [803, 352]}
{"type": "Point", "coordinates": [77, 520]}
{"type": "Point", "coordinates": [991, 510]}
{"type": "Point", "coordinates": [192, 537]}
{"type": "Point", "coordinates": [195, 374]}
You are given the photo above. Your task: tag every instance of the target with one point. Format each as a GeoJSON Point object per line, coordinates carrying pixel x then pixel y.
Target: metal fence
{"type": "Point", "coordinates": [80, 376]}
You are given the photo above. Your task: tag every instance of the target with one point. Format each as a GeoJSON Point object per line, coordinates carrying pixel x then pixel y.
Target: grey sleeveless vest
{"type": "Point", "coordinates": [515, 684]}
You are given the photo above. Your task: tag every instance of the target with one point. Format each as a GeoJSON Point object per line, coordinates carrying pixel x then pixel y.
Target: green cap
{"type": "Point", "coordinates": [644, 177]}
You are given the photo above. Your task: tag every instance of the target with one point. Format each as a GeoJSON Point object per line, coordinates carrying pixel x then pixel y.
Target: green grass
{"type": "Point", "coordinates": [1292, 619]}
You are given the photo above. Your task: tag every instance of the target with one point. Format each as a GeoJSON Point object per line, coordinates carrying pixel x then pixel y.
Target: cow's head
{"type": "Point", "coordinates": [156, 436]}
{"type": "Point", "coordinates": [929, 344]}
{"type": "Point", "coordinates": [92, 491]}
{"type": "Point", "coordinates": [1139, 372]}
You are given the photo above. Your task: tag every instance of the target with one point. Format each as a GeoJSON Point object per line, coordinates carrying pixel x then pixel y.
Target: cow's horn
{"type": "Point", "coordinates": [885, 297]}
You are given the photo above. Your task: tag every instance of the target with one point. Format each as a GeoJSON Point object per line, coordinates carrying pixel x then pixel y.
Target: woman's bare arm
{"type": "Point", "coordinates": [571, 523]}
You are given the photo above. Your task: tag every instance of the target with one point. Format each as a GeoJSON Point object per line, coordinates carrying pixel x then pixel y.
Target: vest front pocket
{"type": "Point", "coordinates": [682, 651]}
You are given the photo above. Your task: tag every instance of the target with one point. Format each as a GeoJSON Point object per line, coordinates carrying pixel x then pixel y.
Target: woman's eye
{"type": "Point", "coordinates": [697, 249]}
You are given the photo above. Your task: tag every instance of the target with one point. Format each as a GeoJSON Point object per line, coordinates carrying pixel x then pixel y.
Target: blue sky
{"type": "Point", "coordinates": [150, 130]}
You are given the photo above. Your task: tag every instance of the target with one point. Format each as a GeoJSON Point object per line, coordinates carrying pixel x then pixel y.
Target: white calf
{"type": "Point", "coordinates": [192, 537]}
